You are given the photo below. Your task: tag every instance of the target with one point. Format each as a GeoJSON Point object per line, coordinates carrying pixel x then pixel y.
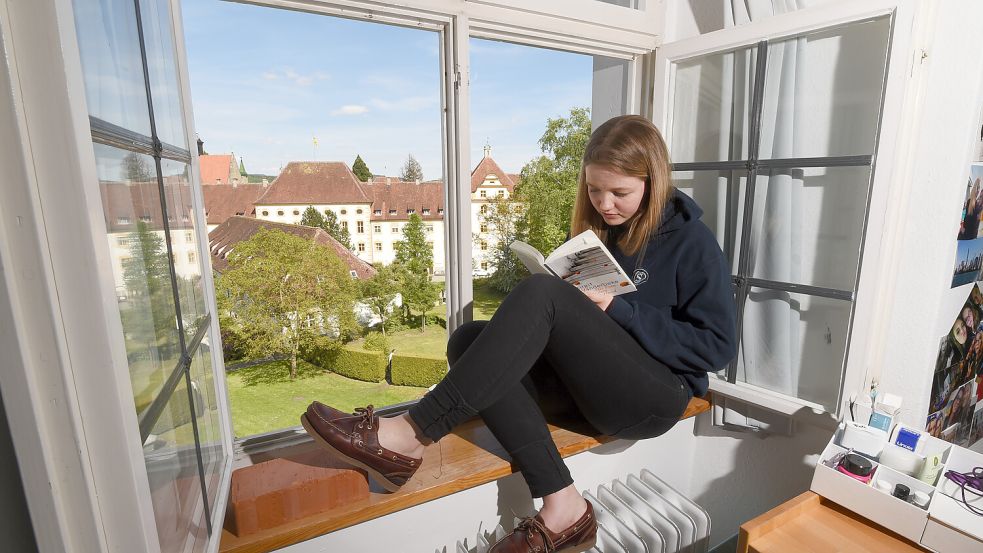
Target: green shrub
{"type": "Point", "coordinates": [417, 371]}
{"type": "Point", "coordinates": [359, 365]}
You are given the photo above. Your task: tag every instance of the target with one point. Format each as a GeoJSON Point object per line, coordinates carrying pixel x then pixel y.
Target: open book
{"type": "Point", "coordinates": [583, 261]}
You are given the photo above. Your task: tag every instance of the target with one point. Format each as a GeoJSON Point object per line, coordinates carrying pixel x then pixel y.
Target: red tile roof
{"type": "Point", "coordinates": [125, 204]}
{"type": "Point", "coordinates": [224, 237]}
{"type": "Point", "coordinates": [226, 200]}
{"type": "Point", "coordinates": [315, 182]}
{"type": "Point", "coordinates": [487, 166]}
{"type": "Point", "coordinates": [403, 195]}
{"type": "Point", "coordinates": [217, 169]}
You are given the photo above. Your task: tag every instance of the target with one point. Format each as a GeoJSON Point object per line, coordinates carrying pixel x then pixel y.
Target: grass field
{"type": "Point", "coordinates": [264, 399]}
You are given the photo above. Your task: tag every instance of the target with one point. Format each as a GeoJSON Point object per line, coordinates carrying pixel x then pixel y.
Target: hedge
{"type": "Point", "coordinates": [417, 371]}
{"type": "Point", "coordinates": [359, 365]}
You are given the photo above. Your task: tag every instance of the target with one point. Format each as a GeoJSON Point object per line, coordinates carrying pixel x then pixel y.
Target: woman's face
{"type": "Point", "coordinates": [615, 196]}
{"type": "Point", "coordinates": [969, 318]}
{"type": "Point", "coordinates": [959, 331]}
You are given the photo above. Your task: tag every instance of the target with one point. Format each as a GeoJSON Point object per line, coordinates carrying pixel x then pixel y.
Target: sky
{"type": "Point", "coordinates": [265, 82]}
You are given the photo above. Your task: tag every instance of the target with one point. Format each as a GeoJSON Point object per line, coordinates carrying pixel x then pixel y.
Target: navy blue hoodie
{"type": "Point", "coordinates": [683, 312]}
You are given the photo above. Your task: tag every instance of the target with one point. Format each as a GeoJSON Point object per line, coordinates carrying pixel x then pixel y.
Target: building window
{"type": "Point", "coordinates": [191, 257]}
{"type": "Point", "coordinates": [358, 211]}
{"type": "Point", "coordinates": [392, 212]}
{"type": "Point", "coordinates": [377, 212]}
{"type": "Point", "coordinates": [484, 265]}
{"type": "Point", "coordinates": [344, 212]}
{"type": "Point", "coordinates": [296, 212]}
{"type": "Point", "coordinates": [484, 227]}
{"type": "Point", "coordinates": [483, 209]}
{"type": "Point", "coordinates": [123, 241]}
{"type": "Point", "coordinates": [440, 211]}
{"type": "Point", "coordinates": [189, 236]}
{"type": "Point", "coordinates": [265, 213]}
{"type": "Point", "coordinates": [378, 246]}
{"type": "Point", "coordinates": [145, 218]}
{"type": "Point", "coordinates": [359, 227]}
{"type": "Point", "coordinates": [484, 246]}
{"type": "Point", "coordinates": [122, 220]}
{"type": "Point", "coordinates": [344, 225]}
{"type": "Point", "coordinates": [426, 211]}
{"type": "Point", "coordinates": [483, 193]}
{"type": "Point", "coordinates": [353, 273]}
{"type": "Point", "coordinates": [395, 229]}
{"type": "Point", "coordinates": [279, 212]}
{"type": "Point", "coordinates": [429, 228]}
{"type": "Point", "coordinates": [410, 211]}
{"type": "Point", "coordinates": [327, 211]}
{"type": "Point", "coordinates": [361, 246]}
{"type": "Point", "coordinates": [376, 228]}
{"type": "Point", "coordinates": [501, 193]}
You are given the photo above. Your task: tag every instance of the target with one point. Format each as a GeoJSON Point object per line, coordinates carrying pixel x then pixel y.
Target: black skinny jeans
{"type": "Point", "coordinates": [549, 345]}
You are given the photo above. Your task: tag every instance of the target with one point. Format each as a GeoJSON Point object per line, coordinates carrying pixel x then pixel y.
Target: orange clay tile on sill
{"type": "Point", "coordinates": [279, 491]}
{"type": "Point", "coordinates": [468, 457]}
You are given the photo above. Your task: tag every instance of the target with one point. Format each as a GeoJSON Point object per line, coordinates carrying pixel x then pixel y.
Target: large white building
{"type": "Point", "coordinates": [376, 211]}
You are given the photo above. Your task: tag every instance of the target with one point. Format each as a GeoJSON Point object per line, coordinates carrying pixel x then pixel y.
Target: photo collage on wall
{"type": "Point", "coordinates": [969, 242]}
{"type": "Point", "coordinates": [956, 403]}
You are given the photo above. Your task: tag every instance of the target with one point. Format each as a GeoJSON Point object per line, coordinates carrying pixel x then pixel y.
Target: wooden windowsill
{"type": "Point", "coordinates": [468, 457]}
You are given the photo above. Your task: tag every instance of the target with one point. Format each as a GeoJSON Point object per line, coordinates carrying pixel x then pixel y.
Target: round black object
{"type": "Point", "coordinates": [901, 492]}
{"type": "Point", "coordinates": [857, 464]}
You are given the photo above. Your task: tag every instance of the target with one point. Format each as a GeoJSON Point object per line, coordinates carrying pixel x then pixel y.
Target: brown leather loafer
{"type": "Point", "coordinates": [354, 438]}
{"type": "Point", "coordinates": [532, 536]}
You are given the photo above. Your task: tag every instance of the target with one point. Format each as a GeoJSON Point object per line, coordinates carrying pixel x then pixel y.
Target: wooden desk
{"type": "Point", "coordinates": [810, 523]}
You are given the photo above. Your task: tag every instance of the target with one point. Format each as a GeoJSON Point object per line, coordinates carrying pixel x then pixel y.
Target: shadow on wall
{"type": "Point", "coordinates": [738, 476]}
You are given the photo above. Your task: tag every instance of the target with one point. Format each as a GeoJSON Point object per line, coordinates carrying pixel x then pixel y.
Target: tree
{"type": "Point", "coordinates": [548, 184]}
{"type": "Point", "coordinates": [329, 223]}
{"type": "Point", "coordinates": [361, 170]}
{"type": "Point", "coordinates": [414, 264]}
{"type": "Point", "coordinates": [379, 291]}
{"type": "Point", "coordinates": [504, 219]}
{"type": "Point", "coordinates": [136, 168]}
{"type": "Point", "coordinates": [286, 292]}
{"type": "Point", "coordinates": [147, 277]}
{"type": "Point", "coordinates": [412, 170]}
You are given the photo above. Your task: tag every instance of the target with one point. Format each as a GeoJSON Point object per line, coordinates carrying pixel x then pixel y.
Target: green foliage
{"type": "Point", "coordinates": [136, 168]}
{"type": "Point", "coordinates": [414, 264]}
{"type": "Point", "coordinates": [548, 184]}
{"type": "Point", "coordinates": [367, 366]}
{"type": "Point", "coordinates": [286, 292]}
{"type": "Point", "coordinates": [376, 341]}
{"type": "Point", "coordinates": [312, 218]}
{"type": "Point", "coordinates": [379, 291]}
{"type": "Point", "coordinates": [148, 315]}
{"type": "Point", "coordinates": [417, 371]}
{"type": "Point", "coordinates": [328, 222]}
{"type": "Point", "coordinates": [361, 170]}
{"type": "Point", "coordinates": [506, 224]}
{"type": "Point", "coordinates": [411, 170]}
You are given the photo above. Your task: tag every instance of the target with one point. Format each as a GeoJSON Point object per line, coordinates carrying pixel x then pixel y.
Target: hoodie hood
{"type": "Point", "coordinates": [679, 210]}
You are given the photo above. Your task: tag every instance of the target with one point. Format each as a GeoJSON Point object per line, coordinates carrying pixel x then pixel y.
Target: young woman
{"type": "Point", "coordinates": [627, 365]}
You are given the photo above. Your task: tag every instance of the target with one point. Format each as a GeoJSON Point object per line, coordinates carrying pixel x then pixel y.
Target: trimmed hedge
{"type": "Point", "coordinates": [358, 365]}
{"type": "Point", "coordinates": [417, 371]}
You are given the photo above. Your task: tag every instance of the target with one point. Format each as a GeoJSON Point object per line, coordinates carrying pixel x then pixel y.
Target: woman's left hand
{"type": "Point", "coordinates": [600, 299]}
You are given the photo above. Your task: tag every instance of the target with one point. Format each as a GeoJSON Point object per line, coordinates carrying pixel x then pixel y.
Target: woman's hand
{"type": "Point", "coordinates": [600, 299]}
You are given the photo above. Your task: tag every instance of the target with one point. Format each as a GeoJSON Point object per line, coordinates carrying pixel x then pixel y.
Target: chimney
{"type": "Point", "coordinates": [417, 181]}
{"type": "Point", "coordinates": [201, 146]}
{"type": "Point", "coordinates": [388, 182]}
{"type": "Point", "coordinates": [266, 183]}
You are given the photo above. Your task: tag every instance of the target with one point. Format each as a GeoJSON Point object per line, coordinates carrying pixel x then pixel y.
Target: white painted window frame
{"type": "Point", "coordinates": [868, 329]}
{"type": "Point", "coordinates": [73, 422]}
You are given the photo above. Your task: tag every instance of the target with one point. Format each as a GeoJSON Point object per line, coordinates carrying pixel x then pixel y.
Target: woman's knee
{"type": "Point", "coordinates": [541, 286]}
{"type": "Point", "coordinates": [462, 338]}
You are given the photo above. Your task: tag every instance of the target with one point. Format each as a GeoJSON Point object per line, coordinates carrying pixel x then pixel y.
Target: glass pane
{"type": "Point", "coordinates": [111, 66]}
{"type": "Point", "coordinates": [172, 468]}
{"type": "Point", "coordinates": [721, 196]}
{"type": "Point", "coordinates": [823, 92]}
{"type": "Point", "coordinates": [355, 184]}
{"type": "Point", "coordinates": [808, 225]}
{"type": "Point", "coordinates": [135, 232]}
{"type": "Point", "coordinates": [794, 344]}
{"type": "Point", "coordinates": [184, 242]}
{"type": "Point", "coordinates": [711, 107]}
{"type": "Point", "coordinates": [209, 425]}
{"type": "Point", "coordinates": [548, 98]}
{"type": "Point", "coordinates": [168, 116]}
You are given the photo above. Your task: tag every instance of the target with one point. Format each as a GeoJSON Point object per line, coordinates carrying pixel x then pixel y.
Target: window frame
{"type": "Point", "coordinates": [866, 329]}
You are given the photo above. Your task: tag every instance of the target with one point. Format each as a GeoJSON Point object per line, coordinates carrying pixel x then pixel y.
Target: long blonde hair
{"type": "Point", "coordinates": [633, 146]}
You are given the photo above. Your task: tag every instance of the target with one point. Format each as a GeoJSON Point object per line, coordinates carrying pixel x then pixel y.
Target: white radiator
{"type": "Point", "coordinates": [643, 514]}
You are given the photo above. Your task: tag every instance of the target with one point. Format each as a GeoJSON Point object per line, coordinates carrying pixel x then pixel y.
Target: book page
{"type": "Point", "coordinates": [530, 257]}
{"type": "Point", "coordinates": [586, 263]}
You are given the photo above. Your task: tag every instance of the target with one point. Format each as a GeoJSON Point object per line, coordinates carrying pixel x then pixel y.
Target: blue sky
{"type": "Point", "coordinates": [265, 81]}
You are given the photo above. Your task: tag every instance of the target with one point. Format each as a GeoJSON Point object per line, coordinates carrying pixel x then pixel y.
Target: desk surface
{"type": "Point", "coordinates": [810, 523]}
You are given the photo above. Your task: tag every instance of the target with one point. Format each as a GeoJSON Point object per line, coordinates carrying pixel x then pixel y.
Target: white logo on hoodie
{"type": "Point", "coordinates": [640, 276]}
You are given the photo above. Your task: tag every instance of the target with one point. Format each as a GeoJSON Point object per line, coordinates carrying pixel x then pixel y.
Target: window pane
{"type": "Point", "coordinates": [168, 117]}
{"type": "Point", "coordinates": [711, 107]}
{"type": "Point", "coordinates": [313, 133]}
{"type": "Point", "coordinates": [721, 196]}
{"type": "Point", "coordinates": [135, 231]}
{"type": "Point", "coordinates": [794, 344]}
{"type": "Point", "coordinates": [808, 225]}
{"type": "Point", "coordinates": [111, 67]}
{"type": "Point", "coordinates": [184, 241]}
{"type": "Point", "coordinates": [207, 411]}
{"type": "Point", "coordinates": [823, 91]}
{"type": "Point", "coordinates": [172, 468]}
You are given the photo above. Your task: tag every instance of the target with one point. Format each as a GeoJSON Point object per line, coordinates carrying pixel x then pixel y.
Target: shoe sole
{"type": "Point", "coordinates": [376, 475]}
{"type": "Point", "coordinates": [579, 548]}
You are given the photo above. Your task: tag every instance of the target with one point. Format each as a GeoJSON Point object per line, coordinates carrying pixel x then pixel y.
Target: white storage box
{"type": "Point", "coordinates": [946, 526]}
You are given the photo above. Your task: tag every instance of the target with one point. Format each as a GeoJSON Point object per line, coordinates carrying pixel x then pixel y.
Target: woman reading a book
{"type": "Point", "coordinates": [627, 365]}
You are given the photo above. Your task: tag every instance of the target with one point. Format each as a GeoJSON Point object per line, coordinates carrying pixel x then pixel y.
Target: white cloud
{"type": "Point", "coordinates": [290, 74]}
{"type": "Point", "coordinates": [350, 109]}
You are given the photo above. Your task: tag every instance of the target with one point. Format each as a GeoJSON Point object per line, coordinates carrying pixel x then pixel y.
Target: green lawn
{"type": "Point", "coordinates": [264, 399]}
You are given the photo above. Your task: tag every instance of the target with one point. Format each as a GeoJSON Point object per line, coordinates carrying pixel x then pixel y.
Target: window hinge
{"type": "Point", "coordinates": [457, 80]}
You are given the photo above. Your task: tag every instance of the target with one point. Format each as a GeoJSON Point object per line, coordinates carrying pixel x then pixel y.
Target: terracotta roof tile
{"type": "Point", "coordinates": [216, 169]}
{"type": "Point", "coordinates": [390, 202]}
{"type": "Point", "coordinates": [315, 182]}
{"type": "Point", "coordinates": [225, 200]}
{"type": "Point", "coordinates": [487, 166]}
{"type": "Point", "coordinates": [125, 204]}
{"type": "Point", "coordinates": [235, 229]}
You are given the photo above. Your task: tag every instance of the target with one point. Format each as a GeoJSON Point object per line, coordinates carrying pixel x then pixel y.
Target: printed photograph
{"type": "Point", "coordinates": [935, 423]}
{"type": "Point", "coordinates": [969, 226]}
{"type": "Point", "coordinates": [969, 257]}
{"type": "Point", "coordinates": [962, 402]}
{"type": "Point", "coordinates": [943, 384]}
{"type": "Point", "coordinates": [976, 432]}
